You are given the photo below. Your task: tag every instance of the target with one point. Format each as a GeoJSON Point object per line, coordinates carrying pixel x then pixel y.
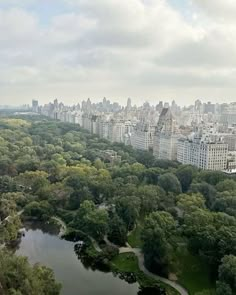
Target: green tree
{"type": "Point", "coordinates": [19, 278]}
{"type": "Point", "coordinates": [185, 175]}
{"type": "Point", "coordinates": [128, 208]}
{"type": "Point", "coordinates": [226, 185]}
{"type": "Point", "coordinates": [227, 271]}
{"type": "Point", "coordinates": [157, 234]}
{"type": "Point", "coordinates": [170, 183]}
{"type": "Point", "coordinates": [117, 232]}
{"type": "Point", "coordinates": [207, 190]}
{"type": "Point", "coordinates": [223, 289]}
{"type": "Point", "coordinates": [91, 220]}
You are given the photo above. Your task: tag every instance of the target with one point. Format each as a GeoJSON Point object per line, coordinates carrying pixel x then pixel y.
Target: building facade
{"type": "Point", "coordinates": [203, 154]}
{"type": "Point", "coordinates": [166, 137]}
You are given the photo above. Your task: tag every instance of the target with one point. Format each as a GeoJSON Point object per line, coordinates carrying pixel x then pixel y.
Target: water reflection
{"type": "Point", "coordinates": [40, 244]}
{"type": "Point", "coordinates": [78, 275]}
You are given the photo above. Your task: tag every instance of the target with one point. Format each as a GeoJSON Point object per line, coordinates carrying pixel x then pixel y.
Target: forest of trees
{"type": "Point", "coordinates": [49, 168]}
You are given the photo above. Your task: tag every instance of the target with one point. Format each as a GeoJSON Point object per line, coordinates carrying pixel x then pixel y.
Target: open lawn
{"type": "Point", "coordinates": [128, 262]}
{"type": "Point", "coordinates": [134, 238]}
{"type": "Point", "coordinates": [192, 272]}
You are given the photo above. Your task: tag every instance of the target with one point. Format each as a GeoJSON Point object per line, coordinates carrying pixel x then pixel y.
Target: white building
{"type": "Point", "coordinates": [228, 116]}
{"type": "Point", "coordinates": [142, 136]}
{"type": "Point", "coordinates": [203, 153]}
{"type": "Point", "coordinates": [116, 131]}
{"type": "Point", "coordinates": [230, 139]}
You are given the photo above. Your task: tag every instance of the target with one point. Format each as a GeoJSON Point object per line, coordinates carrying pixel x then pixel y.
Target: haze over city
{"type": "Point", "coordinates": [146, 50]}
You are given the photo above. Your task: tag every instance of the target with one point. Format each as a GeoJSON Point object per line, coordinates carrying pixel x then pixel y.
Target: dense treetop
{"type": "Point", "coordinates": [51, 168]}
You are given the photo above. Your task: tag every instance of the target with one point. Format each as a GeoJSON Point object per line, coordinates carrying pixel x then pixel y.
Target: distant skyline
{"type": "Point", "coordinates": [151, 50]}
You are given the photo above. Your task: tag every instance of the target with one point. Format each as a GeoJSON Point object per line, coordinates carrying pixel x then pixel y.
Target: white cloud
{"type": "Point", "coordinates": [116, 48]}
{"type": "Point", "coordinates": [222, 10]}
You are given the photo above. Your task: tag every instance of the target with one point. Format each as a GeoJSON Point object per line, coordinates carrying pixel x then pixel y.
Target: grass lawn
{"type": "Point", "coordinates": [134, 238]}
{"type": "Point", "coordinates": [128, 262]}
{"type": "Point", "coordinates": [192, 272]}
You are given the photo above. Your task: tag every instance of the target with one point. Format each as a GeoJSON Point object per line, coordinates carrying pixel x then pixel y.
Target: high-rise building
{"type": "Point", "coordinates": [142, 136]}
{"type": "Point", "coordinates": [166, 136]}
{"type": "Point", "coordinates": [209, 108]}
{"type": "Point", "coordinates": [129, 104]}
{"type": "Point", "coordinates": [228, 116]}
{"type": "Point", "coordinates": [35, 106]}
{"type": "Point", "coordinates": [116, 131]}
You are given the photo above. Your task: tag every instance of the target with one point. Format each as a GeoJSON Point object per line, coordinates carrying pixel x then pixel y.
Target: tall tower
{"type": "Point", "coordinates": [129, 105]}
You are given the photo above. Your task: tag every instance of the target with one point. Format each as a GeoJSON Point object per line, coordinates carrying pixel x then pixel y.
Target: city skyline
{"type": "Point", "coordinates": [146, 50]}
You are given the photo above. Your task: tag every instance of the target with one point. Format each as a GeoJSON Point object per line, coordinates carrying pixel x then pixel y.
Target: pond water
{"type": "Point", "coordinates": [41, 244]}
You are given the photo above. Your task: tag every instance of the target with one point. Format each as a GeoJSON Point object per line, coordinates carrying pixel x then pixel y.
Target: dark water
{"type": "Point", "coordinates": [42, 245]}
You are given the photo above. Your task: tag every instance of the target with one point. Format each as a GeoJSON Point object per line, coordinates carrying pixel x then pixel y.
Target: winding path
{"type": "Point", "coordinates": [142, 267]}
{"type": "Point", "coordinates": [62, 225]}
{"type": "Point", "coordinates": [63, 228]}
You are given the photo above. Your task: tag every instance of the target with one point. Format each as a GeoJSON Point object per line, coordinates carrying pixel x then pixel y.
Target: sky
{"type": "Point", "coordinates": [148, 50]}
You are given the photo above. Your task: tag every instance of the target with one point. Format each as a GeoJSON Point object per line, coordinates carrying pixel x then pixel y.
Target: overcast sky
{"type": "Point", "coordinates": [144, 49]}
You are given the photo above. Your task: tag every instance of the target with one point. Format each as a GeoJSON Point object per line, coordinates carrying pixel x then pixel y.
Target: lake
{"type": "Point", "coordinates": [41, 244]}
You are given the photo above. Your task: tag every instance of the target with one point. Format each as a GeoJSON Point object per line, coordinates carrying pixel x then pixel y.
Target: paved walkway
{"type": "Point", "coordinates": [62, 225]}
{"type": "Point", "coordinates": [142, 267]}
{"type": "Point", "coordinates": [63, 228]}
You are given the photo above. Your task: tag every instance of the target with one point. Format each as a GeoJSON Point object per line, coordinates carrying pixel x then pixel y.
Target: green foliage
{"type": "Point", "coordinates": [226, 185]}
{"type": "Point", "coordinates": [185, 175]}
{"type": "Point", "coordinates": [127, 208]}
{"type": "Point", "coordinates": [207, 190]}
{"type": "Point", "coordinates": [91, 220]}
{"type": "Point", "coordinates": [212, 177]}
{"type": "Point", "coordinates": [227, 274]}
{"type": "Point", "coordinates": [117, 232]}
{"type": "Point", "coordinates": [157, 234]}
{"type": "Point", "coordinates": [9, 229]}
{"type": "Point", "coordinates": [170, 183]}
{"type": "Point", "coordinates": [18, 277]}
{"type": "Point", "coordinates": [134, 237]}
{"type": "Point", "coordinates": [40, 210]}
{"type": "Point", "coordinates": [52, 168]}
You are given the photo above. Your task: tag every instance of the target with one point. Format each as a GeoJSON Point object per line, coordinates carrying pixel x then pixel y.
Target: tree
{"type": "Point", "coordinates": [170, 183]}
{"type": "Point", "coordinates": [156, 235]}
{"type": "Point", "coordinates": [151, 175]}
{"type": "Point", "coordinates": [40, 210]}
{"type": "Point", "coordinates": [226, 185]}
{"type": "Point", "coordinates": [185, 175]}
{"type": "Point", "coordinates": [33, 181]}
{"type": "Point", "coordinates": [99, 164]}
{"type": "Point", "coordinates": [212, 177]}
{"type": "Point", "coordinates": [9, 228]}
{"type": "Point", "coordinates": [227, 272]}
{"type": "Point", "coordinates": [117, 232]}
{"type": "Point", "coordinates": [91, 220]}
{"type": "Point", "coordinates": [207, 190]}
{"type": "Point", "coordinates": [128, 208]}
{"type": "Point", "coordinates": [150, 197]}
{"type": "Point", "coordinates": [7, 184]}
{"type": "Point", "coordinates": [225, 202]}
{"type": "Point", "coordinates": [19, 278]}
{"type": "Point", "coordinates": [190, 203]}
{"type": "Point", "coordinates": [223, 289]}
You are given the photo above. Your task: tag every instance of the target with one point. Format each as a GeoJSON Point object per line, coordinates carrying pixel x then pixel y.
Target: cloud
{"type": "Point", "coordinates": [222, 10]}
{"type": "Point", "coordinates": [115, 47]}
